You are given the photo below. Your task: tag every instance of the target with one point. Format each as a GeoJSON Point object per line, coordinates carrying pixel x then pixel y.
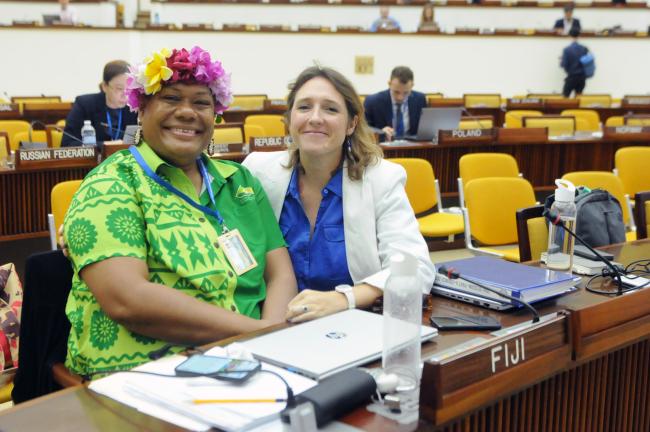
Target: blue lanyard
{"type": "Point", "coordinates": [114, 133]}
{"type": "Point", "coordinates": [206, 181]}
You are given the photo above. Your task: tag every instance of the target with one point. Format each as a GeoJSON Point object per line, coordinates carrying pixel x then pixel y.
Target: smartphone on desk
{"type": "Point", "coordinates": [465, 322]}
{"type": "Point", "coordinates": [583, 252]}
{"type": "Point", "coordinates": [218, 367]}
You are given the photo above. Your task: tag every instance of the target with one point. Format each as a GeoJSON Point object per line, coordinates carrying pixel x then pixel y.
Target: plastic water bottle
{"type": "Point", "coordinates": [402, 324]}
{"type": "Point", "coordinates": [560, 243]}
{"type": "Point", "coordinates": [88, 137]}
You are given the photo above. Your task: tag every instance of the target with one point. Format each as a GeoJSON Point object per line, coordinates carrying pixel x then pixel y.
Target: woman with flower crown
{"type": "Point", "coordinates": [342, 208]}
{"type": "Point", "coordinates": [167, 245]}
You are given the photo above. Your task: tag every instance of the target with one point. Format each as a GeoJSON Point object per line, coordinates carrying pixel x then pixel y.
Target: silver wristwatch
{"type": "Point", "coordinates": [349, 294]}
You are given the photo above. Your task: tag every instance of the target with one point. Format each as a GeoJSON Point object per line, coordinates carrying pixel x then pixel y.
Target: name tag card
{"type": "Point", "coordinates": [636, 102]}
{"type": "Point", "coordinates": [9, 111]}
{"type": "Point", "coordinates": [487, 370]}
{"type": "Point", "coordinates": [627, 133]}
{"type": "Point", "coordinates": [466, 136]}
{"type": "Point", "coordinates": [268, 144]}
{"type": "Point", "coordinates": [53, 157]}
{"type": "Point", "coordinates": [524, 103]}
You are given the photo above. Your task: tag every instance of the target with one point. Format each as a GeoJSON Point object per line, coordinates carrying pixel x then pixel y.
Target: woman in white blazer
{"type": "Point", "coordinates": [341, 207]}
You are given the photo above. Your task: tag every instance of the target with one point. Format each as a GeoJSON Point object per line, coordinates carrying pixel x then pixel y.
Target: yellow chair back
{"type": "Point", "coordinates": [595, 101]}
{"type": "Point", "coordinates": [420, 183]}
{"type": "Point", "coordinates": [37, 136]}
{"type": "Point", "coordinates": [228, 135]}
{"type": "Point", "coordinates": [537, 236]}
{"type": "Point", "coordinates": [272, 124]}
{"type": "Point", "coordinates": [557, 126]}
{"type": "Point", "coordinates": [479, 165]}
{"type": "Point", "coordinates": [638, 121]}
{"type": "Point", "coordinates": [482, 100]}
{"type": "Point", "coordinates": [57, 137]}
{"type": "Point", "coordinates": [492, 203]}
{"type": "Point", "coordinates": [248, 102]}
{"type": "Point", "coordinates": [586, 120]}
{"type": "Point", "coordinates": [12, 127]}
{"type": "Point", "coordinates": [514, 118]}
{"type": "Point", "coordinates": [615, 121]}
{"type": "Point", "coordinates": [61, 123]}
{"type": "Point", "coordinates": [476, 124]}
{"type": "Point", "coordinates": [253, 131]}
{"type": "Point", "coordinates": [604, 180]}
{"type": "Point", "coordinates": [61, 196]}
{"type": "Point", "coordinates": [431, 97]}
{"type": "Point", "coordinates": [632, 165]}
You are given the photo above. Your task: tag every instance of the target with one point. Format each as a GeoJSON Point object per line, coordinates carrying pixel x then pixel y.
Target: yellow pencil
{"type": "Point", "coordinates": [225, 401]}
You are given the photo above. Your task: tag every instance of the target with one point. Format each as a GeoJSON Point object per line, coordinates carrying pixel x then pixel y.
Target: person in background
{"type": "Point", "coordinates": [67, 14]}
{"type": "Point", "coordinates": [168, 246]}
{"type": "Point", "coordinates": [568, 23]}
{"type": "Point", "coordinates": [396, 111]}
{"type": "Point", "coordinates": [384, 22]}
{"type": "Point", "coordinates": [106, 110]}
{"type": "Point", "coordinates": [342, 208]}
{"type": "Point", "coordinates": [427, 19]}
{"type": "Point", "coordinates": [570, 62]}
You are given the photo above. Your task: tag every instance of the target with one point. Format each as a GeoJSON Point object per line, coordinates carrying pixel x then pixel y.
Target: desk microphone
{"type": "Point", "coordinates": [451, 273]}
{"type": "Point", "coordinates": [555, 219]}
{"type": "Point", "coordinates": [111, 128]}
{"type": "Point", "coordinates": [472, 117]}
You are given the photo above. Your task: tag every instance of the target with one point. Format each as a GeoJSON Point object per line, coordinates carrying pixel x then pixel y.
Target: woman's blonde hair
{"type": "Point", "coordinates": [362, 150]}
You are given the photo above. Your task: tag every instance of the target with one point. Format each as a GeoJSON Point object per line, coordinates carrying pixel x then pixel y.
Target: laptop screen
{"type": "Point", "coordinates": [434, 119]}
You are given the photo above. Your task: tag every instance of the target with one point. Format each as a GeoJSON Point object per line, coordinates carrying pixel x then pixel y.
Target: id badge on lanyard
{"type": "Point", "coordinates": [231, 242]}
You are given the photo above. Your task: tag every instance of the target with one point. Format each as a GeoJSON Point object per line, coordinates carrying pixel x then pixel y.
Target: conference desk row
{"type": "Point", "coordinates": [25, 192]}
{"type": "Point", "coordinates": [584, 367]}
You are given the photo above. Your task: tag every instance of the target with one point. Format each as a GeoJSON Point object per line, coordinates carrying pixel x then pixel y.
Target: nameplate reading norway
{"type": "Point", "coordinates": [56, 156]}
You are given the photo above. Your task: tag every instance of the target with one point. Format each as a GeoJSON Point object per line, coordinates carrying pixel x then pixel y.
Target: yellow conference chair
{"type": "Point", "coordinates": [615, 121]}
{"type": "Point", "coordinates": [642, 210]}
{"type": "Point", "coordinates": [272, 124]}
{"type": "Point", "coordinates": [228, 134]}
{"type": "Point", "coordinates": [37, 136]}
{"type": "Point", "coordinates": [632, 165]}
{"type": "Point", "coordinates": [248, 102]}
{"type": "Point", "coordinates": [612, 184]}
{"type": "Point", "coordinates": [514, 118]}
{"type": "Point", "coordinates": [595, 101]}
{"type": "Point", "coordinates": [637, 121]}
{"type": "Point", "coordinates": [432, 97]}
{"type": "Point", "coordinates": [557, 125]}
{"type": "Point", "coordinates": [252, 131]}
{"type": "Point", "coordinates": [12, 127]}
{"type": "Point", "coordinates": [61, 197]}
{"type": "Point", "coordinates": [423, 193]}
{"type": "Point", "coordinates": [482, 100]}
{"type": "Point", "coordinates": [22, 100]}
{"type": "Point", "coordinates": [55, 136]}
{"type": "Point", "coordinates": [532, 233]}
{"type": "Point", "coordinates": [586, 119]}
{"type": "Point", "coordinates": [476, 123]}
{"type": "Point", "coordinates": [61, 123]}
{"type": "Point", "coordinates": [479, 165]}
{"type": "Point", "coordinates": [491, 205]}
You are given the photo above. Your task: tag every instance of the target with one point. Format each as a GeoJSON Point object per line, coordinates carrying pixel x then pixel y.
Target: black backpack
{"type": "Point", "coordinates": [600, 218]}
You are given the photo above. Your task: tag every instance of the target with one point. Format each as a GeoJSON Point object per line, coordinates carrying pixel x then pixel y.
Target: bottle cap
{"type": "Point", "coordinates": [403, 264]}
{"type": "Point", "coordinates": [565, 192]}
{"type": "Point", "coordinates": [86, 122]}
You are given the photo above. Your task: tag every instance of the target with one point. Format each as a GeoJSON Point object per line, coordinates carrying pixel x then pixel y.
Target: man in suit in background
{"type": "Point", "coordinates": [568, 23]}
{"type": "Point", "coordinates": [396, 111]}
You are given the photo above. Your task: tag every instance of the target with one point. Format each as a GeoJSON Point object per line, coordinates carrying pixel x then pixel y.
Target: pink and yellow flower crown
{"type": "Point", "coordinates": [169, 67]}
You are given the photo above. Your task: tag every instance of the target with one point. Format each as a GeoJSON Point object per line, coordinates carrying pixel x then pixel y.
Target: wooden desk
{"type": "Point", "coordinates": [606, 391]}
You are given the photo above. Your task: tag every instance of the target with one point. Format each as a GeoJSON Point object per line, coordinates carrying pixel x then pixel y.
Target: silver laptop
{"type": "Point", "coordinates": [49, 19]}
{"type": "Point", "coordinates": [434, 119]}
{"type": "Point", "coordinates": [323, 347]}
{"type": "Point", "coordinates": [470, 298]}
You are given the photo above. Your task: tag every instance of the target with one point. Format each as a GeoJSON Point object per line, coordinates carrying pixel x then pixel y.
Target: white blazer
{"type": "Point", "coordinates": [377, 217]}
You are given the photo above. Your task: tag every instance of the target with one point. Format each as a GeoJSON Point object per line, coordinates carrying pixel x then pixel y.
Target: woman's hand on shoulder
{"type": "Point", "coordinates": [62, 245]}
{"type": "Point", "coordinates": [311, 304]}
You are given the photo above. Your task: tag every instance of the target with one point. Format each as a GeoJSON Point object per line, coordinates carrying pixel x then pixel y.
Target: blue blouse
{"type": "Point", "coordinates": [320, 263]}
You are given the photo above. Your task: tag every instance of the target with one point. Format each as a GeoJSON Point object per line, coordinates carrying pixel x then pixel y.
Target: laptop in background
{"type": "Point", "coordinates": [323, 347]}
{"type": "Point", "coordinates": [434, 119]}
{"type": "Point", "coordinates": [471, 298]}
{"type": "Point", "coordinates": [49, 20]}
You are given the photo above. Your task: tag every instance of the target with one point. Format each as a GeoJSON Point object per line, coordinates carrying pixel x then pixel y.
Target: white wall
{"type": "Point", "coordinates": [69, 62]}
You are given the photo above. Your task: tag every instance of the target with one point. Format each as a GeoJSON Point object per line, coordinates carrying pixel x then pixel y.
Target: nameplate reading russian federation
{"type": "Point", "coordinates": [55, 156]}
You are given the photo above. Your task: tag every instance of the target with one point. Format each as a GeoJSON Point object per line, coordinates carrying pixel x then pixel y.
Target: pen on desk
{"type": "Point", "coordinates": [224, 401]}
